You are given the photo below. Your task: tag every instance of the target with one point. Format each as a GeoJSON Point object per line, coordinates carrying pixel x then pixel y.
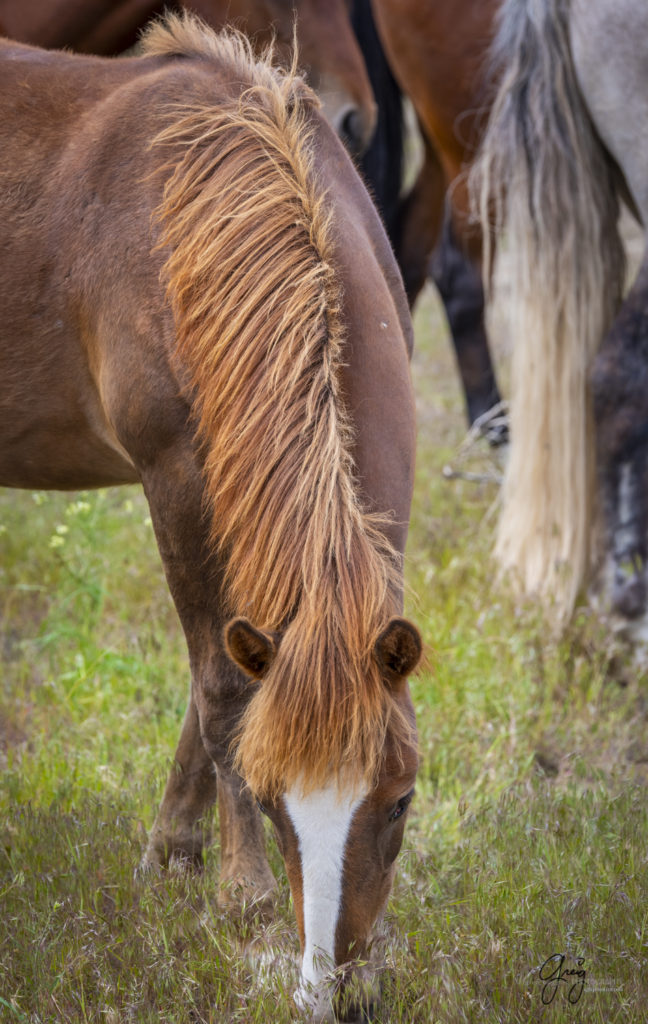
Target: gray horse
{"type": "Point", "coordinates": [567, 139]}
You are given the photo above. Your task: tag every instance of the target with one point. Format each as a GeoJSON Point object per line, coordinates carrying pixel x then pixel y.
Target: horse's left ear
{"type": "Point", "coordinates": [251, 649]}
{"type": "Point", "coordinates": [399, 647]}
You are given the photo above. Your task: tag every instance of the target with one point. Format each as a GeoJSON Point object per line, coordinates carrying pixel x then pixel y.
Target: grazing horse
{"type": "Point", "coordinates": [567, 138]}
{"type": "Point", "coordinates": [328, 50]}
{"type": "Point", "coordinates": [437, 52]}
{"type": "Point", "coordinates": [197, 294]}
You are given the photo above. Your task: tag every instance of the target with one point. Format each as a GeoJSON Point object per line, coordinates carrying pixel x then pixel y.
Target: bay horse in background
{"type": "Point", "coordinates": [328, 50]}
{"type": "Point", "coordinates": [197, 294]}
{"type": "Point", "coordinates": [568, 137]}
{"type": "Point", "coordinates": [436, 51]}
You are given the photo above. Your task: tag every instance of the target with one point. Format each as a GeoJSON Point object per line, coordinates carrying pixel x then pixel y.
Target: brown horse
{"type": "Point", "coordinates": [197, 294]}
{"type": "Point", "coordinates": [437, 51]}
{"type": "Point", "coordinates": [328, 50]}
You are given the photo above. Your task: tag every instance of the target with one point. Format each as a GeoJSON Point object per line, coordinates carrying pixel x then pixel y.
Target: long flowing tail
{"type": "Point", "coordinates": [545, 178]}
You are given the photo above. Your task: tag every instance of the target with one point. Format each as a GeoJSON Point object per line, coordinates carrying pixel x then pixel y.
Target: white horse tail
{"type": "Point", "coordinates": [545, 177]}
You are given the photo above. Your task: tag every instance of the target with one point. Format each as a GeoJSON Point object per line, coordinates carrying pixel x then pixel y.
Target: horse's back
{"type": "Point", "coordinates": [86, 324]}
{"type": "Point", "coordinates": [79, 289]}
{"type": "Point", "coordinates": [609, 47]}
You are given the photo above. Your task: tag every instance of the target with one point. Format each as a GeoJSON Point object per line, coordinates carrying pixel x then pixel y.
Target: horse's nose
{"type": "Point", "coordinates": [355, 129]}
{"type": "Point", "coordinates": [344, 1004]}
{"type": "Point", "coordinates": [358, 1013]}
{"type": "Point", "coordinates": [359, 1002]}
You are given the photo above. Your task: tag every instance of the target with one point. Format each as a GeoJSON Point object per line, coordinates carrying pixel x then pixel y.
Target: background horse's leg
{"type": "Point", "coordinates": [436, 50]}
{"type": "Point", "coordinates": [459, 280]}
{"type": "Point", "coordinates": [419, 221]}
{"type": "Point", "coordinates": [620, 390]}
{"type": "Point", "coordinates": [173, 487]}
{"type": "Point", "coordinates": [182, 826]}
{"type": "Point", "coordinates": [427, 243]}
{"type": "Point", "coordinates": [381, 163]}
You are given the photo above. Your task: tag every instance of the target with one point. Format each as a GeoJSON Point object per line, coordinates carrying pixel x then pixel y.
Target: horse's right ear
{"type": "Point", "coordinates": [399, 647]}
{"type": "Point", "coordinates": [250, 648]}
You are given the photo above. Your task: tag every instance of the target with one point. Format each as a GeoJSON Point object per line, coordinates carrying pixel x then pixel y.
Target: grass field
{"type": "Point", "coordinates": [528, 836]}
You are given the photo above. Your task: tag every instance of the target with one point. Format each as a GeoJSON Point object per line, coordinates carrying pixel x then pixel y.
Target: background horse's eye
{"type": "Point", "coordinates": [401, 806]}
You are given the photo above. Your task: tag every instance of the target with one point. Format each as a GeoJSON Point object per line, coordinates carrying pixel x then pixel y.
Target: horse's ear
{"type": "Point", "coordinates": [251, 649]}
{"type": "Point", "coordinates": [399, 647]}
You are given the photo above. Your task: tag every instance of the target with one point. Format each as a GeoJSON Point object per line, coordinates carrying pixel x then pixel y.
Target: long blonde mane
{"type": "Point", "coordinates": [257, 301]}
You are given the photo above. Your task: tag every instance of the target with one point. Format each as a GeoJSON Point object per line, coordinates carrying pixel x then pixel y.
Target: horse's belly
{"type": "Point", "coordinates": [54, 429]}
{"type": "Point", "coordinates": [56, 449]}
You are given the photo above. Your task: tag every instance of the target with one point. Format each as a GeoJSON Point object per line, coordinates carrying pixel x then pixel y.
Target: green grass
{"type": "Point", "coordinates": [529, 832]}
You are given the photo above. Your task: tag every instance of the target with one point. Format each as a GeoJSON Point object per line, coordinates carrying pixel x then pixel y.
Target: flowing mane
{"type": "Point", "coordinates": [260, 333]}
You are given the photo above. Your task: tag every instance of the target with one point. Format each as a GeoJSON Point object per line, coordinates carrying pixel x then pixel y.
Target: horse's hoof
{"type": "Point", "coordinates": [174, 857]}
{"type": "Point", "coordinates": [246, 900]}
{"type": "Point", "coordinates": [147, 869]}
{"type": "Point", "coordinates": [183, 863]}
{"type": "Point", "coordinates": [492, 425]}
{"type": "Point", "coordinates": [629, 596]}
{"type": "Point", "coordinates": [497, 435]}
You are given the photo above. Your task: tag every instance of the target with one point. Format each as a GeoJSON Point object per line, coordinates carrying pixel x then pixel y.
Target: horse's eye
{"type": "Point", "coordinates": [261, 807]}
{"type": "Point", "coordinates": [401, 806]}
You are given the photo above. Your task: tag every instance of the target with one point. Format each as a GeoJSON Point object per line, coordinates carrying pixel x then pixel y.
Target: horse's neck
{"type": "Point", "coordinates": [375, 374]}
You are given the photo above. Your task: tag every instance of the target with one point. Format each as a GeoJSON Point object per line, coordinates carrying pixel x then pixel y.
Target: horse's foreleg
{"type": "Point", "coordinates": [219, 693]}
{"type": "Point", "coordinates": [245, 874]}
{"type": "Point", "coordinates": [620, 393]}
{"type": "Point", "coordinates": [182, 827]}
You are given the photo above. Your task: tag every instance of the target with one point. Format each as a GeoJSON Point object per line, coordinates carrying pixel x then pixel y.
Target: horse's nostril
{"type": "Point", "coordinates": [356, 1008]}
{"type": "Point", "coordinates": [369, 1012]}
{"type": "Point", "coordinates": [358, 1014]}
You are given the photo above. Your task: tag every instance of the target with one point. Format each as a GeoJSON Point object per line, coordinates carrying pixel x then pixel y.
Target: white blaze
{"type": "Point", "coordinates": [322, 821]}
